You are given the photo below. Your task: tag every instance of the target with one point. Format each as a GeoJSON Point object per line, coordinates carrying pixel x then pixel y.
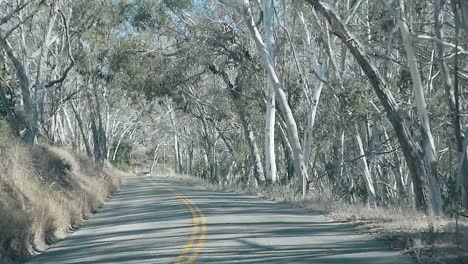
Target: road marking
{"type": "Point", "coordinates": [188, 246]}
{"type": "Point", "coordinates": [199, 228]}
{"type": "Point", "coordinates": [201, 240]}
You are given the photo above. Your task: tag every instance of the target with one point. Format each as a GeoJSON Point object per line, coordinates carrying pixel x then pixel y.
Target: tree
{"type": "Point", "coordinates": [281, 96]}
{"type": "Point", "coordinates": [270, 158]}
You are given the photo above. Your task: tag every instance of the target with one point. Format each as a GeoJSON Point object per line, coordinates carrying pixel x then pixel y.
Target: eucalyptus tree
{"type": "Point", "coordinates": [291, 126]}
{"type": "Point", "coordinates": [14, 16]}
{"type": "Point", "coordinates": [196, 84]}
{"type": "Point", "coordinates": [428, 149]}
{"type": "Point", "coordinates": [268, 24]}
{"type": "Point", "coordinates": [57, 53]}
{"type": "Point", "coordinates": [221, 59]}
{"type": "Point", "coordinates": [39, 38]}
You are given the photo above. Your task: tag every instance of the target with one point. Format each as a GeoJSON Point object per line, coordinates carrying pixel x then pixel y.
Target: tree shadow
{"type": "Point", "coordinates": [146, 223]}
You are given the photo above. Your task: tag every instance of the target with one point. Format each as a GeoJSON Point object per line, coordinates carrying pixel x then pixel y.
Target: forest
{"type": "Point", "coordinates": [361, 101]}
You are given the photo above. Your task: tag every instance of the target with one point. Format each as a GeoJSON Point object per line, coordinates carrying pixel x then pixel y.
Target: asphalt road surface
{"type": "Point", "coordinates": [158, 220]}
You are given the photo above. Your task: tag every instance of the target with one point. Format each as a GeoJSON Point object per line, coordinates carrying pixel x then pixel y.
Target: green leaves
{"type": "Point", "coordinates": [181, 4]}
{"type": "Point", "coordinates": [123, 154]}
{"type": "Point", "coordinates": [138, 14]}
{"type": "Point", "coordinates": [355, 99]}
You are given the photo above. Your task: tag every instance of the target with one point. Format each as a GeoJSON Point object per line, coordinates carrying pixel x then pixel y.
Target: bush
{"type": "Point", "coordinates": [123, 155]}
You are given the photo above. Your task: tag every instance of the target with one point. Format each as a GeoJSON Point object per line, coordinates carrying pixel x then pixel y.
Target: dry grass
{"type": "Point", "coordinates": [426, 239]}
{"type": "Point", "coordinates": [46, 192]}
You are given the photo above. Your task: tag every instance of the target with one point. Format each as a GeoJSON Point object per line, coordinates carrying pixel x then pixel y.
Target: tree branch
{"type": "Point", "coordinates": [70, 56]}
{"type": "Point", "coordinates": [20, 7]}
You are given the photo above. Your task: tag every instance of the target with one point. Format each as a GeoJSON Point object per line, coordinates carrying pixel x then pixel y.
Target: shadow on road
{"type": "Point", "coordinates": [145, 223]}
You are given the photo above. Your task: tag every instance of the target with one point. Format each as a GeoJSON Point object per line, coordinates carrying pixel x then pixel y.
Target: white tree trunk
{"type": "Point", "coordinates": [177, 166]}
{"type": "Point", "coordinates": [429, 147]}
{"type": "Point", "coordinates": [291, 126]}
{"type": "Point", "coordinates": [321, 70]}
{"type": "Point", "coordinates": [71, 131]}
{"type": "Point", "coordinates": [367, 174]}
{"type": "Point", "coordinates": [270, 157]}
{"type": "Point", "coordinates": [155, 158]}
{"type": "Point", "coordinates": [40, 78]}
{"type": "Point", "coordinates": [120, 141]}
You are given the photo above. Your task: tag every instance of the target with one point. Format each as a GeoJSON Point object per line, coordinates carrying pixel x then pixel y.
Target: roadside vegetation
{"type": "Point", "coordinates": [45, 193]}
{"type": "Point", "coordinates": [427, 239]}
{"type": "Point", "coordinates": [357, 107]}
{"type": "Point", "coordinates": [61, 126]}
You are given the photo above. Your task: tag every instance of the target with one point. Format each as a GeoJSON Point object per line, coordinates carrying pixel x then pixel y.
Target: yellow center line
{"type": "Point", "coordinates": [195, 229]}
{"type": "Point", "coordinates": [201, 240]}
{"type": "Point", "coordinates": [198, 219]}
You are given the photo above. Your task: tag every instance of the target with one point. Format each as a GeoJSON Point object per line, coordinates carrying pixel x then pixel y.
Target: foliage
{"type": "Point", "coordinates": [154, 73]}
{"type": "Point", "coordinates": [452, 203]}
{"type": "Point", "coordinates": [123, 154]}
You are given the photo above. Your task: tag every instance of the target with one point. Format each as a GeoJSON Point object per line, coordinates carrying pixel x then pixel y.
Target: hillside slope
{"type": "Point", "coordinates": [45, 192]}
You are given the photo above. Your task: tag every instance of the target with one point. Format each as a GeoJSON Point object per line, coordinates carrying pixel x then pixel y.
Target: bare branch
{"type": "Point", "coordinates": [70, 55]}
{"type": "Point", "coordinates": [28, 17]}
{"type": "Point", "coordinates": [20, 7]}
{"type": "Point", "coordinates": [451, 45]}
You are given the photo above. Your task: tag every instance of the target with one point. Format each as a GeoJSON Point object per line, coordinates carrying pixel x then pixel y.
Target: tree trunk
{"type": "Point", "coordinates": [429, 148]}
{"type": "Point", "coordinates": [254, 151]}
{"type": "Point", "coordinates": [155, 158]}
{"type": "Point", "coordinates": [190, 159]}
{"type": "Point", "coordinates": [460, 10]}
{"type": "Point", "coordinates": [463, 4]}
{"type": "Point", "coordinates": [98, 155]}
{"type": "Point", "coordinates": [101, 130]}
{"type": "Point", "coordinates": [40, 78]}
{"type": "Point", "coordinates": [234, 94]}
{"type": "Point", "coordinates": [321, 71]}
{"type": "Point", "coordinates": [81, 127]}
{"type": "Point", "coordinates": [177, 161]}
{"type": "Point", "coordinates": [462, 171]}
{"type": "Point", "coordinates": [410, 150]}
{"type": "Point", "coordinates": [9, 111]}
{"type": "Point", "coordinates": [287, 149]}
{"type": "Point", "coordinates": [367, 175]}
{"type": "Point", "coordinates": [23, 78]}
{"type": "Point", "coordinates": [291, 126]}
{"type": "Point", "coordinates": [270, 157]}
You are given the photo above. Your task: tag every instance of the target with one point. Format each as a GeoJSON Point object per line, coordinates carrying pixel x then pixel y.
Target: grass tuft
{"type": "Point", "coordinates": [45, 192]}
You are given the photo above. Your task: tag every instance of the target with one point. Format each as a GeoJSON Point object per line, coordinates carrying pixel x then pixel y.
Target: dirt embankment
{"type": "Point", "coordinates": [45, 193]}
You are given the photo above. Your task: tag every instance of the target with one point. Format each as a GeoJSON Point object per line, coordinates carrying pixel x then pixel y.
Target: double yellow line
{"type": "Point", "coordinates": [197, 239]}
{"type": "Point", "coordinates": [193, 247]}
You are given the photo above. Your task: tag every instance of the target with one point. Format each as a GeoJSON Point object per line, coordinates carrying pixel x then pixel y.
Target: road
{"type": "Point", "coordinates": [159, 220]}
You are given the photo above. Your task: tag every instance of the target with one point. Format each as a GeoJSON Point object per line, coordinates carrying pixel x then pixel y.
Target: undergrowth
{"type": "Point", "coordinates": [425, 238]}
{"type": "Point", "coordinates": [46, 192]}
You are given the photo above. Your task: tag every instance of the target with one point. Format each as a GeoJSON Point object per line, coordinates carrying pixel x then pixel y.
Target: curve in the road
{"type": "Point", "coordinates": [199, 228]}
{"type": "Point", "coordinates": [164, 222]}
